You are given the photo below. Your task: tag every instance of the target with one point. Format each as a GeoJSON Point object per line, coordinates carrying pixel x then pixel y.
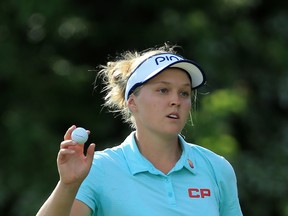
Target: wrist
{"type": "Point", "coordinates": [69, 187]}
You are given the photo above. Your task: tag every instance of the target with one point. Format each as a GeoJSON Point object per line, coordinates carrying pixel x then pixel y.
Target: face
{"type": "Point", "coordinates": [163, 103]}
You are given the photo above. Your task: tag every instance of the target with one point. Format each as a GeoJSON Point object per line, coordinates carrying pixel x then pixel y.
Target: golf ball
{"type": "Point", "coordinates": [79, 135]}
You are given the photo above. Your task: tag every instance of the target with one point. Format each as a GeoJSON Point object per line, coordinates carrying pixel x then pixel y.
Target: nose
{"type": "Point", "coordinates": [175, 100]}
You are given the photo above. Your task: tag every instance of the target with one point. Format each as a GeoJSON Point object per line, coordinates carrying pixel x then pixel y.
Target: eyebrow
{"type": "Point", "coordinates": [170, 83]}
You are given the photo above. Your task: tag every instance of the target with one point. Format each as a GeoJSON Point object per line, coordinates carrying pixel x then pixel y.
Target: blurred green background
{"type": "Point", "coordinates": [49, 51]}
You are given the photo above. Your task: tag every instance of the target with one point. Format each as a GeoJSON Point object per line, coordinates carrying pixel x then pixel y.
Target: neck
{"type": "Point", "coordinates": [162, 152]}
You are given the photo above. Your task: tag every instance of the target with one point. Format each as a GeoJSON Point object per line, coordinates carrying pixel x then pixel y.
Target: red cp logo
{"type": "Point", "coordinates": [199, 193]}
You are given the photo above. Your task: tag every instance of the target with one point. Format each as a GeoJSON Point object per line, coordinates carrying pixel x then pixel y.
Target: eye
{"type": "Point", "coordinates": [185, 94]}
{"type": "Point", "coordinates": [163, 90]}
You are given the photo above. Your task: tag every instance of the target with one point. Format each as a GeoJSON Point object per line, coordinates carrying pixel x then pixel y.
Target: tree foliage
{"type": "Point", "coordinates": [48, 64]}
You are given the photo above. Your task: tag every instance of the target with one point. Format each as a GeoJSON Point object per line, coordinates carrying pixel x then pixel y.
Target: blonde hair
{"type": "Point", "coordinates": [116, 74]}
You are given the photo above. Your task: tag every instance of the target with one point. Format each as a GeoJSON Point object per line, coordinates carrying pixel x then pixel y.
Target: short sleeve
{"type": "Point", "coordinates": [229, 201]}
{"type": "Point", "coordinates": [89, 191]}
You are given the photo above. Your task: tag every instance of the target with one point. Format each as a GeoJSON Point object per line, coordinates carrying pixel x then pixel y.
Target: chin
{"type": "Point", "coordinates": [172, 132]}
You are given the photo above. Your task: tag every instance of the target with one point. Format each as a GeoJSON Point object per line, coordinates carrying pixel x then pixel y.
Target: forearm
{"type": "Point", "coordinates": [59, 202]}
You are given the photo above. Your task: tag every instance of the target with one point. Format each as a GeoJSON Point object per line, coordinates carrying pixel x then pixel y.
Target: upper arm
{"type": "Point", "coordinates": [80, 209]}
{"type": "Point", "coordinates": [229, 194]}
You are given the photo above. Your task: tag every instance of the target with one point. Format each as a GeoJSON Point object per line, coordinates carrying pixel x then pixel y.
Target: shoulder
{"type": "Point", "coordinates": [223, 174]}
{"type": "Point", "coordinates": [220, 165]}
{"type": "Point", "coordinates": [210, 155]}
{"type": "Point", "coordinates": [115, 153]}
{"type": "Point", "coordinates": [104, 162]}
{"type": "Point", "coordinates": [109, 155]}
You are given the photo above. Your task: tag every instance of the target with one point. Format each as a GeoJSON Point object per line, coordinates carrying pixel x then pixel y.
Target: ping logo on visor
{"type": "Point", "coordinates": [155, 64]}
{"type": "Point", "coordinates": [170, 58]}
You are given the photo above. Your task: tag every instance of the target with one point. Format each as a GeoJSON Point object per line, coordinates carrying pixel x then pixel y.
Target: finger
{"type": "Point", "coordinates": [63, 152]}
{"type": "Point", "coordinates": [67, 143]}
{"type": "Point", "coordinates": [90, 152]}
{"type": "Point", "coordinates": [77, 148]}
{"type": "Point", "coordinates": [67, 135]}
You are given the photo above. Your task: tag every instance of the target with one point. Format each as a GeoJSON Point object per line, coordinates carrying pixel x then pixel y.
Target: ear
{"type": "Point", "coordinates": [131, 103]}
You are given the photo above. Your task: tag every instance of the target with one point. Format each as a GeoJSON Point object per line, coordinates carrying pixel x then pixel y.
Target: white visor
{"type": "Point", "coordinates": [155, 64]}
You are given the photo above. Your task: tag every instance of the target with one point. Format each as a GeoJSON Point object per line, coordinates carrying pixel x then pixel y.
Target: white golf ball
{"type": "Point", "coordinates": [79, 135]}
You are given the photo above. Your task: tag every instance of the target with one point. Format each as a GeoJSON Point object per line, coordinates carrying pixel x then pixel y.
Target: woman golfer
{"type": "Point", "coordinates": [154, 171]}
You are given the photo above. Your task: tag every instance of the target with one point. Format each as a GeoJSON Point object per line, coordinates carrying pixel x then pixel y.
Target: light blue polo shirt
{"type": "Point", "coordinates": [122, 182]}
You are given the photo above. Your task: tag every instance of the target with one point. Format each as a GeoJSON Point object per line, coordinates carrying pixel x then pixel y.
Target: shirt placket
{"type": "Point", "coordinates": [170, 194]}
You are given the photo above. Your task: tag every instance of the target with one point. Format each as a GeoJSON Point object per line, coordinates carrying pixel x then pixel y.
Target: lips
{"type": "Point", "coordinates": [173, 116]}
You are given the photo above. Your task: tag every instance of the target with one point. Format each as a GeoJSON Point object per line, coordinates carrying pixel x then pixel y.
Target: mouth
{"type": "Point", "coordinates": [173, 116]}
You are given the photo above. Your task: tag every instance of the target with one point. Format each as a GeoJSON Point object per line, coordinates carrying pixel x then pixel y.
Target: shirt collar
{"type": "Point", "coordinates": [188, 158]}
{"type": "Point", "coordinates": [137, 163]}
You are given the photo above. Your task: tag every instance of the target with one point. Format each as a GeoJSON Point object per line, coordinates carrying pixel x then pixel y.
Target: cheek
{"type": "Point", "coordinates": [152, 109]}
{"type": "Point", "coordinates": [147, 101]}
{"type": "Point", "coordinates": [187, 104]}
{"type": "Point", "coordinates": [153, 106]}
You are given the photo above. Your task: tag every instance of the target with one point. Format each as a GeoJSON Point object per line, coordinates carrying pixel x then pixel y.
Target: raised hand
{"type": "Point", "coordinates": [73, 165]}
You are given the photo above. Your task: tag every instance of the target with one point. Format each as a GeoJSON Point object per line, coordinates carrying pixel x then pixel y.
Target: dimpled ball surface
{"type": "Point", "coordinates": [79, 135]}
